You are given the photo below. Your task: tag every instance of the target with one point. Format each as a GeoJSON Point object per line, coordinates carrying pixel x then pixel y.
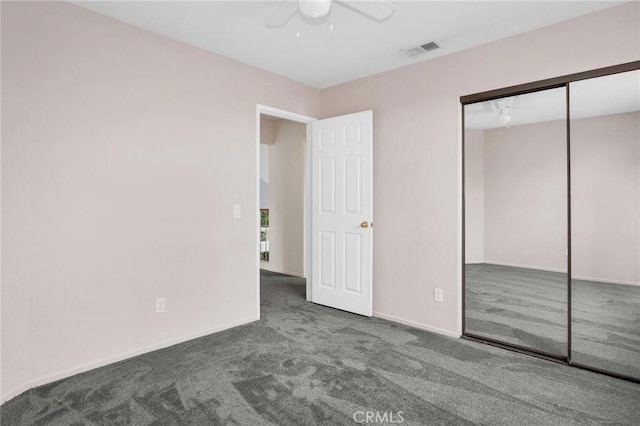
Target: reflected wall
{"type": "Point", "coordinates": [605, 182]}
{"type": "Point", "coordinates": [516, 220]}
{"type": "Point", "coordinates": [552, 219]}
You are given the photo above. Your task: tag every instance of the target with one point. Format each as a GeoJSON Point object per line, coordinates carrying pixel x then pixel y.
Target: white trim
{"type": "Point", "coordinates": [265, 266]}
{"type": "Point", "coordinates": [605, 280]}
{"type": "Point", "coordinates": [417, 325]}
{"type": "Point", "coordinates": [459, 225]}
{"type": "Point", "coordinates": [292, 116]}
{"type": "Point", "coordinates": [258, 229]}
{"type": "Point", "coordinates": [518, 265]}
{"type": "Point", "coordinates": [110, 360]}
{"type": "Point", "coordinates": [562, 271]}
{"type": "Point", "coordinates": [305, 210]}
{"type": "Point", "coordinates": [16, 392]}
{"type": "Point", "coordinates": [308, 206]}
{"type": "Point", "coordinates": [280, 113]}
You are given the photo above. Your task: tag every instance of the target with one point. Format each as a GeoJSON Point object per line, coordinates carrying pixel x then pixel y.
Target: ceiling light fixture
{"type": "Point", "coordinates": [377, 10]}
{"type": "Point", "coordinates": [504, 117]}
{"type": "Point", "coordinates": [314, 8]}
{"type": "Point", "coordinates": [503, 106]}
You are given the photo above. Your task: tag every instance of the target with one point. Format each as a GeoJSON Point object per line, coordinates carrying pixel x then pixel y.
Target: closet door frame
{"type": "Point", "coordinates": [551, 83]}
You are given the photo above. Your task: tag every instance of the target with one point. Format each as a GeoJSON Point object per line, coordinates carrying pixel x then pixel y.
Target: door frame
{"type": "Point", "coordinates": [299, 118]}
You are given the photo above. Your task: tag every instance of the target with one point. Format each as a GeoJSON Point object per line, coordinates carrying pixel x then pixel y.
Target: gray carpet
{"type": "Point", "coordinates": [528, 307]}
{"type": "Point", "coordinates": [304, 364]}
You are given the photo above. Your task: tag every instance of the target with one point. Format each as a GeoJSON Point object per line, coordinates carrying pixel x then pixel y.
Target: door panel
{"type": "Point", "coordinates": [328, 259]}
{"type": "Point", "coordinates": [327, 184]}
{"type": "Point", "coordinates": [605, 222]}
{"type": "Point", "coordinates": [353, 263]}
{"type": "Point", "coordinates": [516, 216]}
{"type": "Point", "coordinates": [342, 211]}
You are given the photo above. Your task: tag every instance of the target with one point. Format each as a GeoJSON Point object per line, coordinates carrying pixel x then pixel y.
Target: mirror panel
{"type": "Point", "coordinates": [515, 165]}
{"type": "Point", "coordinates": [605, 224]}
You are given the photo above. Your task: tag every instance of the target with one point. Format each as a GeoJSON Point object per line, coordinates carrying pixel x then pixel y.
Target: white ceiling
{"type": "Point", "coordinates": [613, 94]}
{"type": "Point", "coordinates": [356, 48]}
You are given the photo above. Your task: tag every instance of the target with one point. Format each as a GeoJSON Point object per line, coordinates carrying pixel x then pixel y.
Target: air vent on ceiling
{"type": "Point", "coordinates": [415, 51]}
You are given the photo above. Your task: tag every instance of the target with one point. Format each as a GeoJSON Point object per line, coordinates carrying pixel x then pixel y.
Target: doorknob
{"type": "Point", "coordinates": [364, 224]}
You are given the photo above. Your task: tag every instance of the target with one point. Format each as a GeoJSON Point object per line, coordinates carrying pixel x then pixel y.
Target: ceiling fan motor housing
{"type": "Point", "coordinates": [314, 8]}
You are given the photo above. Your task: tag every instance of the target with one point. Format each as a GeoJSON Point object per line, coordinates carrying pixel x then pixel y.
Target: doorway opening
{"type": "Point", "coordinates": [335, 246]}
{"type": "Point", "coordinates": [282, 198]}
{"type": "Point", "coordinates": [282, 195]}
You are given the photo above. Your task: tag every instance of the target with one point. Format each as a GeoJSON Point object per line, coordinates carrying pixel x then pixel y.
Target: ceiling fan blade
{"type": "Point", "coordinates": [283, 13]}
{"type": "Point", "coordinates": [480, 108]}
{"type": "Point", "coordinates": [376, 9]}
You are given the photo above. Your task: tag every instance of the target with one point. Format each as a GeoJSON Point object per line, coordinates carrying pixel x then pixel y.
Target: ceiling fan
{"type": "Point", "coordinates": [377, 10]}
{"type": "Point", "coordinates": [500, 108]}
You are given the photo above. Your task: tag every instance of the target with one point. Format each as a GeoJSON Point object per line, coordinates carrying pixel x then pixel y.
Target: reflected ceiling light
{"type": "Point", "coordinates": [504, 117]}
{"type": "Point", "coordinates": [503, 106]}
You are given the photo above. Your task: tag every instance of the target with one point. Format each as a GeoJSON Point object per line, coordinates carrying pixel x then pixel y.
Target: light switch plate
{"type": "Point", "coordinates": [437, 295]}
{"type": "Point", "coordinates": [237, 211]}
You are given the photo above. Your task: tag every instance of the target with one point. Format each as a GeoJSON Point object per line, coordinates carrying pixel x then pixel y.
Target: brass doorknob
{"type": "Point", "coordinates": [364, 224]}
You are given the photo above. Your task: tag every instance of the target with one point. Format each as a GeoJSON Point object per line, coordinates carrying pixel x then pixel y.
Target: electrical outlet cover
{"type": "Point", "coordinates": [160, 305]}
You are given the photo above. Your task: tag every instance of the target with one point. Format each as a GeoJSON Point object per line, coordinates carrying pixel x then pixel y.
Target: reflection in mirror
{"type": "Point", "coordinates": [515, 156]}
{"type": "Point", "coordinates": [605, 211]}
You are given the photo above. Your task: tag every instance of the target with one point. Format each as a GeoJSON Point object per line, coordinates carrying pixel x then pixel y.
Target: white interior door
{"type": "Point", "coordinates": [342, 212]}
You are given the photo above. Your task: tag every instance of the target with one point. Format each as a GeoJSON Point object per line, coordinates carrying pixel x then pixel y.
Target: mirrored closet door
{"type": "Point", "coordinates": [605, 212]}
{"type": "Point", "coordinates": [515, 174]}
{"type": "Point", "coordinates": [551, 219]}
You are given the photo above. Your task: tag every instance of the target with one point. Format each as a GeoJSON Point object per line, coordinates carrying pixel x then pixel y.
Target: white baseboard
{"type": "Point", "coordinates": [518, 265]}
{"type": "Point", "coordinates": [605, 280]}
{"type": "Point", "coordinates": [416, 324]}
{"type": "Point", "coordinates": [266, 267]}
{"type": "Point", "coordinates": [293, 274]}
{"type": "Point", "coordinates": [575, 277]}
{"type": "Point", "coordinates": [12, 394]}
{"type": "Point", "coordinates": [110, 360]}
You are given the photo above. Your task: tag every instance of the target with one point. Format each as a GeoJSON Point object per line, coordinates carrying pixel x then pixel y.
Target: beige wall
{"type": "Point", "coordinates": [605, 194]}
{"type": "Point", "coordinates": [525, 195]}
{"type": "Point", "coordinates": [123, 154]}
{"type": "Point", "coordinates": [286, 199]}
{"type": "Point", "coordinates": [523, 219]}
{"type": "Point", "coordinates": [267, 131]}
{"type": "Point", "coordinates": [417, 127]}
{"type": "Point", "coordinates": [474, 195]}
